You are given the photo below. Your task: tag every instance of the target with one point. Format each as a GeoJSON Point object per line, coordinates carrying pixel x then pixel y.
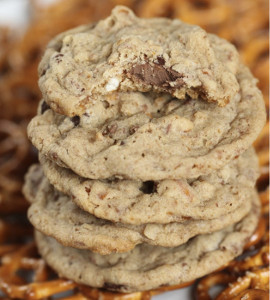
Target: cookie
{"type": "Point", "coordinates": [164, 139]}
{"type": "Point", "coordinates": [126, 53]}
{"type": "Point", "coordinates": [32, 180]}
{"type": "Point", "coordinates": [148, 267]}
{"type": "Point", "coordinates": [54, 214]}
{"type": "Point", "coordinates": [165, 201]}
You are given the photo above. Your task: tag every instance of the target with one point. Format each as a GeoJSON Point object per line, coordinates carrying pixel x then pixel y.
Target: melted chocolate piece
{"type": "Point", "coordinates": [110, 130]}
{"type": "Point", "coordinates": [149, 187]}
{"type": "Point", "coordinates": [58, 57]}
{"type": "Point", "coordinates": [44, 107]}
{"type": "Point", "coordinates": [156, 75]}
{"type": "Point", "coordinates": [76, 120]}
{"type": "Point", "coordinates": [114, 287]}
{"type": "Point", "coordinates": [88, 190]}
{"type": "Point", "coordinates": [161, 60]}
{"type": "Point", "coordinates": [133, 129]}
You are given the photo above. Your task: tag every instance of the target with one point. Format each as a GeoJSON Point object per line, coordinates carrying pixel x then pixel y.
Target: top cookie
{"type": "Point", "coordinates": [124, 53]}
{"type": "Point", "coordinates": [147, 136]}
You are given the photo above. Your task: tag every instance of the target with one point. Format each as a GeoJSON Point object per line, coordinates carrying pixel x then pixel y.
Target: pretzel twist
{"type": "Point", "coordinates": [258, 279]}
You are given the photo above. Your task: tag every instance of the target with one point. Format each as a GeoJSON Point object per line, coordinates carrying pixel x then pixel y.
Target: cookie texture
{"type": "Point", "coordinates": [165, 201]}
{"type": "Point", "coordinates": [126, 53]}
{"type": "Point", "coordinates": [148, 267]}
{"type": "Point", "coordinates": [152, 136]}
{"type": "Point", "coordinates": [147, 172]}
{"type": "Point", "coordinates": [54, 214]}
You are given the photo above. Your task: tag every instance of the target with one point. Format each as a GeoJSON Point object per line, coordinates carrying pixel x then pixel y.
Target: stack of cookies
{"type": "Point", "coordinates": [147, 172]}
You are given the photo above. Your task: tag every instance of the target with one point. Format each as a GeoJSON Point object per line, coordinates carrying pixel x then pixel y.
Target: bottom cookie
{"type": "Point", "coordinates": [148, 267]}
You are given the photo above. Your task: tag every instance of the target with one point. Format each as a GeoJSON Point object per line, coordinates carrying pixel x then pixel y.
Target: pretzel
{"type": "Point", "coordinates": [254, 267]}
{"type": "Point", "coordinates": [248, 276]}
{"type": "Point", "coordinates": [258, 279]}
{"type": "Point", "coordinates": [11, 230]}
{"type": "Point", "coordinates": [237, 286]}
{"type": "Point", "coordinates": [264, 196]}
{"type": "Point", "coordinates": [41, 287]}
{"type": "Point", "coordinates": [15, 287]}
{"type": "Point", "coordinates": [205, 284]}
{"type": "Point", "coordinates": [261, 145]}
{"type": "Point", "coordinates": [24, 257]}
{"type": "Point", "coordinates": [257, 235]}
{"type": "Point", "coordinates": [259, 259]}
{"type": "Point", "coordinates": [252, 294]}
{"type": "Point", "coordinates": [14, 149]}
{"type": "Point", "coordinates": [15, 141]}
{"type": "Point", "coordinates": [189, 11]}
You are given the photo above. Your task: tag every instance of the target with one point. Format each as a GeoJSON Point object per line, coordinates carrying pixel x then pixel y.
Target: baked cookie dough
{"type": "Point", "coordinates": [126, 53]}
{"type": "Point", "coordinates": [152, 136]}
{"type": "Point", "coordinates": [165, 201]}
{"type": "Point", "coordinates": [54, 214]}
{"type": "Point", "coordinates": [148, 267]}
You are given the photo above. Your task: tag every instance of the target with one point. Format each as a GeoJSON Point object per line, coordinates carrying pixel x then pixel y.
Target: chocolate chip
{"type": "Point", "coordinates": [43, 72]}
{"type": "Point", "coordinates": [54, 156]}
{"type": "Point", "coordinates": [133, 129]}
{"type": "Point", "coordinates": [114, 287]}
{"type": "Point", "coordinates": [88, 190]}
{"type": "Point", "coordinates": [148, 187]}
{"type": "Point", "coordinates": [75, 120]}
{"type": "Point", "coordinates": [44, 107]}
{"type": "Point", "coordinates": [58, 57]}
{"type": "Point", "coordinates": [186, 218]}
{"type": "Point", "coordinates": [161, 60]}
{"type": "Point", "coordinates": [184, 264]}
{"type": "Point", "coordinates": [110, 130]}
{"type": "Point", "coordinates": [156, 75]}
{"type": "Point", "coordinates": [56, 197]}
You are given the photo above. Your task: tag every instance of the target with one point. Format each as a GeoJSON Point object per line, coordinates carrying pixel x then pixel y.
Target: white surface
{"type": "Point", "coordinates": [15, 13]}
{"type": "Point", "coordinates": [183, 294]}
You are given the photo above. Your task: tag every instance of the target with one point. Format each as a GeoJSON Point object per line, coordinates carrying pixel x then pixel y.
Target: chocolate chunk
{"type": "Point", "coordinates": [44, 107]}
{"type": "Point", "coordinates": [149, 187]}
{"type": "Point", "coordinates": [56, 197]}
{"type": "Point", "coordinates": [133, 129]}
{"type": "Point", "coordinates": [43, 72]}
{"type": "Point", "coordinates": [114, 287]}
{"type": "Point", "coordinates": [161, 60]}
{"type": "Point", "coordinates": [156, 75]}
{"type": "Point", "coordinates": [54, 156]}
{"type": "Point", "coordinates": [110, 130]}
{"type": "Point", "coordinates": [88, 190]}
{"type": "Point", "coordinates": [76, 120]}
{"type": "Point", "coordinates": [58, 57]}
